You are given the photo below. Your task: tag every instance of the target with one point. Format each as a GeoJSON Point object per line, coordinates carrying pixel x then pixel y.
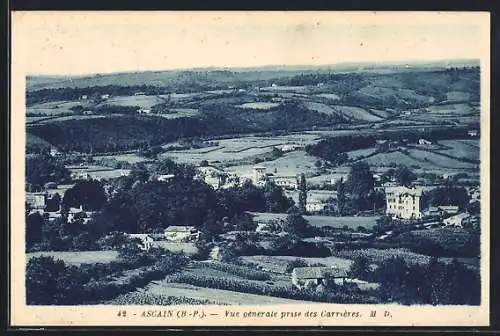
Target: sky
{"type": "Point", "coordinates": [73, 43]}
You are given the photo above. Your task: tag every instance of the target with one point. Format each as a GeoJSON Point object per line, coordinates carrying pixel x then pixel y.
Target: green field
{"type": "Point", "coordinates": [461, 148]}
{"type": "Point", "coordinates": [242, 148]}
{"type": "Point", "coordinates": [142, 101]}
{"type": "Point", "coordinates": [455, 109]}
{"type": "Point", "coordinates": [278, 264]}
{"type": "Point", "coordinates": [77, 258]}
{"type": "Point", "coordinates": [218, 295]}
{"type": "Point", "coordinates": [258, 105]}
{"type": "Point", "coordinates": [352, 222]}
{"type": "Point", "coordinates": [53, 107]}
{"type": "Point", "coordinates": [356, 113]}
{"type": "Point", "coordinates": [130, 158]}
{"type": "Point", "coordinates": [377, 256]}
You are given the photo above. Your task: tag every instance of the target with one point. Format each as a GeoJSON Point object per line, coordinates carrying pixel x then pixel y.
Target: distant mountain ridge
{"type": "Point", "coordinates": [225, 74]}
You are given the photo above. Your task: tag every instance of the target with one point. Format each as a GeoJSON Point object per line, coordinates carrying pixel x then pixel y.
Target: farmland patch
{"type": "Point", "coordinates": [259, 105]}
{"type": "Point", "coordinates": [454, 109]}
{"type": "Point", "coordinates": [329, 96]}
{"type": "Point", "coordinates": [352, 222]}
{"type": "Point", "coordinates": [439, 160]}
{"type": "Point", "coordinates": [356, 113]}
{"type": "Point", "coordinates": [319, 107]}
{"type": "Point", "coordinates": [142, 101]}
{"type": "Point", "coordinates": [77, 258]}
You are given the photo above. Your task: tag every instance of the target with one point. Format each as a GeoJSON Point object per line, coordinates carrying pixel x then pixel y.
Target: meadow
{"type": "Point", "coordinates": [352, 222]}
{"type": "Point", "coordinates": [145, 102]}
{"type": "Point", "coordinates": [77, 258]}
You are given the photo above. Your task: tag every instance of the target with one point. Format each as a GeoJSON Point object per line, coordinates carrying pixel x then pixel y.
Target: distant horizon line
{"type": "Point", "coordinates": [250, 67]}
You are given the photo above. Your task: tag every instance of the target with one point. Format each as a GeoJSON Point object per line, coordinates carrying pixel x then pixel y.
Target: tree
{"type": "Point", "coordinates": [53, 203]}
{"type": "Point", "coordinates": [360, 268]}
{"type": "Point", "coordinates": [449, 195]}
{"type": "Point", "coordinates": [41, 169]}
{"type": "Point", "coordinates": [50, 281]}
{"type": "Point", "coordinates": [139, 172]}
{"type": "Point", "coordinates": [275, 200]}
{"type": "Point", "coordinates": [360, 185]}
{"type": "Point", "coordinates": [131, 253]}
{"type": "Point", "coordinates": [34, 225]}
{"type": "Point", "coordinates": [341, 196]}
{"type": "Point", "coordinates": [302, 193]}
{"type": "Point", "coordinates": [244, 222]}
{"type": "Point", "coordinates": [89, 194]}
{"type": "Point", "coordinates": [82, 242]}
{"type": "Point", "coordinates": [295, 224]}
{"type": "Point", "coordinates": [277, 153]}
{"type": "Point", "coordinates": [404, 176]}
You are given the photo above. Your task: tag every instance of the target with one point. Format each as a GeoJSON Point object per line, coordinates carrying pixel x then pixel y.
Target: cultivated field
{"type": "Point", "coordinates": [77, 258]}
{"type": "Point", "coordinates": [319, 107]}
{"type": "Point", "coordinates": [53, 108]}
{"type": "Point", "coordinates": [239, 149]}
{"type": "Point", "coordinates": [356, 113]}
{"type": "Point", "coordinates": [258, 105]}
{"type": "Point", "coordinates": [418, 158]}
{"type": "Point", "coordinates": [455, 109]}
{"type": "Point", "coordinates": [461, 148]}
{"type": "Point", "coordinates": [100, 172]}
{"type": "Point", "coordinates": [290, 164]}
{"type": "Point", "coordinates": [217, 295]}
{"type": "Point", "coordinates": [187, 248]}
{"type": "Point", "coordinates": [277, 264]}
{"type": "Point", "coordinates": [142, 101]}
{"type": "Point", "coordinates": [130, 158]}
{"type": "Point", "coordinates": [440, 160]}
{"type": "Point", "coordinates": [377, 256]}
{"type": "Point", "coordinates": [352, 222]}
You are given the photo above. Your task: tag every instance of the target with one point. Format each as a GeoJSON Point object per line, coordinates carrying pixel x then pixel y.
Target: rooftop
{"type": "Point", "coordinates": [401, 190]}
{"type": "Point", "coordinates": [180, 229]}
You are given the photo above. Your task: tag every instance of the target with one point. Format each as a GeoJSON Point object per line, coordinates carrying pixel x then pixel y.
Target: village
{"type": "Point", "coordinates": [403, 204]}
{"type": "Point", "coordinates": [274, 188]}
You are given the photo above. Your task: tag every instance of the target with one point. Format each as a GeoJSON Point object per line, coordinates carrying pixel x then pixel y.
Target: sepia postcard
{"type": "Point", "coordinates": [249, 169]}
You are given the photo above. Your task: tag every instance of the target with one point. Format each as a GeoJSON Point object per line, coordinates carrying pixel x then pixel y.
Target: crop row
{"type": "Point", "coordinates": [241, 271]}
{"type": "Point", "coordinates": [139, 298]}
{"type": "Point", "coordinates": [378, 256]}
{"type": "Point", "coordinates": [259, 288]}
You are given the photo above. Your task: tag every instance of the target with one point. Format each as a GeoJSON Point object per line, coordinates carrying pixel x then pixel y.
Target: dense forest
{"type": "Point", "coordinates": [129, 132]}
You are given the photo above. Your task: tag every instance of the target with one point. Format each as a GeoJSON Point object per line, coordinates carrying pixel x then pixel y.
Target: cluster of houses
{"type": "Point", "coordinates": [172, 234]}
{"type": "Point", "coordinates": [38, 204]}
{"type": "Point", "coordinates": [406, 203]}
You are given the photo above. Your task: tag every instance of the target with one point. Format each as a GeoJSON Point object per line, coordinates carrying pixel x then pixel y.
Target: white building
{"type": "Point", "coordinates": [212, 176]}
{"type": "Point", "coordinates": [105, 96]}
{"type": "Point", "coordinates": [164, 177]}
{"type": "Point", "coordinates": [55, 152]}
{"type": "Point", "coordinates": [305, 277]}
{"type": "Point", "coordinates": [315, 205]}
{"type": "Point", "coordinates": [457, 220]}
{"type": "Point", "coordinates": [182, 234]}
{"type": "Point", "coordinates": [36, 200]}
{"type": "Point", "coordinates": [146, 240]}
{"type": "Point", "coordinates": [288, 182]}
{"type": "Point", "coordinates": [403, 202]}
{"type": "Point", "coordinates": [424, 142]}
{"type": "Point", "coordinates": [259, 174]}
